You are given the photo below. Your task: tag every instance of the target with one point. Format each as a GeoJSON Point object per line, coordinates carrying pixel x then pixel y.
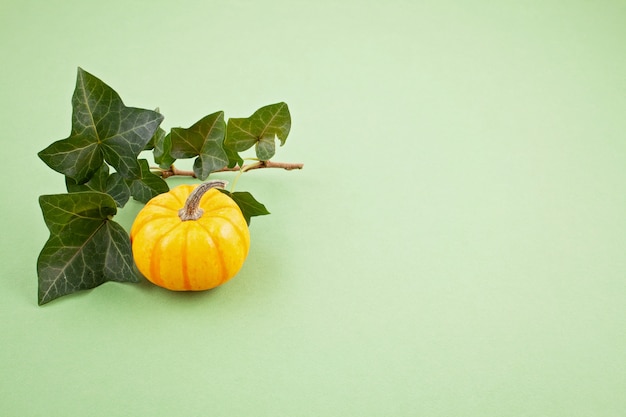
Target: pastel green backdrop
{"type": "Point", "coordinates": [455, 245]}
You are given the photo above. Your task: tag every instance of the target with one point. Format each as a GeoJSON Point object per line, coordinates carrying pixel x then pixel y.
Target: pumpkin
{"type": "Point", "coordinates": [191, 238]}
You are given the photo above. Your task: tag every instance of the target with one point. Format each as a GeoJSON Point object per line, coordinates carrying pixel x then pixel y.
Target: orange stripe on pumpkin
{"type": "Point", "coordinates": [224, 271]}
{"type": "Point", "coordinates": [183, 257]}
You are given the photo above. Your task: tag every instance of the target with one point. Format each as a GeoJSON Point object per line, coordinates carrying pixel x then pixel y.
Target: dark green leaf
{"type": "Point", "coordinates": [85, 249]}
{"type": "Point", "coordinates": [103, 129]}
{"type": "Point", "coordinates": [260, 130]}
{"type": "Point", "coordinates": [162, 151]}
{"type": "Point", "coordinates": [98, 181]}
{"type": "Point", "coordinates": [204, 139]}
{"type": "Point", "coordinates": [233, 158]}
{"type": "Point", "coordinates": [159, 132]}
{"type": "Point", "coordinates": [148, 186]}
{"type": "Point", "coordinates": [150, 145]}
{"type": "Point", "coordinates": [101, 181]}
{"type": "Point", "coordinates": [248, 205]}
{"type": "Point", "coordinates": [117, 187]}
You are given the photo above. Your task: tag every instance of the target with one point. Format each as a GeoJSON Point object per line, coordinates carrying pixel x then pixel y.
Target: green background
{"type": "Point", "coordinates": [455, 245]}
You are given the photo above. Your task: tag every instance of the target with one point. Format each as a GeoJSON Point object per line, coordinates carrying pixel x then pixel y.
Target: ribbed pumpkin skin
{"type": "Point", "coordinates": [191, 255]}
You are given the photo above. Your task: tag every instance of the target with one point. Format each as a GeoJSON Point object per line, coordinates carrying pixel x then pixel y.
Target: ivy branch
{"type": "Point", "coordinates": [86, 247]}
{"type": "Point", "coordinates": [173, 171]}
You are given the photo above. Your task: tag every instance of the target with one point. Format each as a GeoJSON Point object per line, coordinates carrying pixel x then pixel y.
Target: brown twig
{"type": "Point", "coordinates": [166, 173]}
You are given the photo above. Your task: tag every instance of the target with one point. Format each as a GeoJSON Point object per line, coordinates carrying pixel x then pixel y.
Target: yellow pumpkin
{"type": "Point", "coordinates": [191, 238]}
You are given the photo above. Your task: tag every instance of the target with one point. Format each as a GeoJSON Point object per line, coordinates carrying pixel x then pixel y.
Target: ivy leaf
{"type": "Point", "coordinates": [148, 186]}
{"type": "Point", "coordinates": [159, 132]}
{"type": "Point", "coordinates": [233, 158]}
{"type": "Point", "coordinates": [101, 181]}
{"type": "Point", "coordinates": [103, 129]}
{"type": "Point", "coordinates": [260, 130]}
{"type": "Point", "coordinates": [117, 187]}
{"type": "Point", "coordinates": [141, 189]}
{"type": "Point", "coordinates": [162, 151]}
{"type": "Point", "coordinates": [85, 249]}
{"type": "Point", "coordinates": [248, 205]}
{"type": "Point", "coordinates": [204, 139]}
{"type": "Point", "coordinates": [97, 182]}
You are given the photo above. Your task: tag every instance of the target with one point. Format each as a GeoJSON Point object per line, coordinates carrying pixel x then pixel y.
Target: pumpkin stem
{"type": "Point", "coordinates": [192, 210]}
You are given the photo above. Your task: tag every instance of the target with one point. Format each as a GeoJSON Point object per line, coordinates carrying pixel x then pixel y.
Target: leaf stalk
{"type": "Point", "coordinates": [192, 210]}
